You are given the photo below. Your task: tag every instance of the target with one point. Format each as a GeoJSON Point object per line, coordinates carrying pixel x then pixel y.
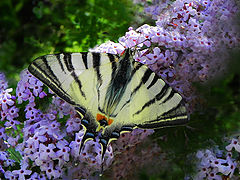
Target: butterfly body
{"type": "Point", "coordinates": [112, 94]}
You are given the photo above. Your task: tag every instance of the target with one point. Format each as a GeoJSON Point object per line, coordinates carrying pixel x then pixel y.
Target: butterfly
{"type": "Point", "coordinates": [112, 94]}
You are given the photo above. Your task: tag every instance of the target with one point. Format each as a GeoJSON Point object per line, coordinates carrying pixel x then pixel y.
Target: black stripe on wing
{"type": "Point", "coordinates": [46, 75]}
{"type": "Point", "coordinates": [144, 79]}
{"type": "Point", "coordinates": [175, 110]}
{"type": "Point", "coordinates": [114, 64]}
{"type": "Point", "coordinates": [155, 79]}
{"type": "Point", "coordinates": [175, 116]}
{"type": "Point", "coordinates": [162, 123]}
{"type": "Point", "coordinates": [73, 74]}
{"type": "Point", "coordinates": [67, 57]}
{"type": "Point", "coordinates": [96, 64]}
{"type": "Point", "coordinates": [158, 97]}
{"type": "Point", "coordinates": [84, 58]}
{"type": "Point", "coordinates": [60, 62]}
{"type": "Point", "coordinates": [51, 74]}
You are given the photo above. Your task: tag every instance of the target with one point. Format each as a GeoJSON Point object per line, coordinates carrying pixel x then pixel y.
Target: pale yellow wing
{"type": "Point", "coordinates": [148, 102]}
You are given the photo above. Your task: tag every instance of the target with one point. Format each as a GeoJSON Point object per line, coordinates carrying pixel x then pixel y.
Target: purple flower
{"type": "Point", "coordinates": [2, 133]}
{"type": "Point", "coordinates": [42, 177]}
{"type": "Point", "coordinates": [34, 176]}
{"type": "Point", "coordinates": [3, 82]}
{"type": "Point", "coordinates": [212, 167]}
{"type": "Point", "coordinates": [42, 94]}
{"type": "Point", "coordinates": [63, 153]}
{"type": "Point", "coordinates": [10, 175]}
{"type": "Point", "coordinates": [234, 144]}
{"type": "Point", "coordinates": [36, 86]}
{"type": "Point", "coordinates": [73, 124]}
{"type": "Point", "coordinates": [226, 167]}
{"type": "Point", "coordinates": [45, 129]}
{"type": "Point", "coordinates": [13, 141]}
{"type": "Point", "coordinates": [12, 124]}
{"type": "Point", "coordinates": [32, 144]}
{"type": "Point", "coordinates": [3, 155]}
{"type": "Point", "coordinates": [109, 47]}
{"type": "Point", "coordinates": [9, 162]}
{"type": "Point", "coordinates": [47, 151]}
{"type": "Point", "coordinates": [7, 110]}
{"type": "Point", "coordinates": [31, 112]}
{"type": "Point", "coordinates": [3, 115]}
{"type": "Point", "coordinates": [75, 145]}
{"type": "Point", "coordinates": [50, 171]}
{"type": "Point", "coordinates": [21, 173]}
{"type": "Point", "coordinates": [12, 113]}
{"type": "Point", "coordinates": [52, 116]}
{"type": "Point", "coordinates": [29, 150]}
{"type": "Point", "coordinates": [5, 99]}
{"type": "Point", "coordinates": [22, 93]}
{"type": "Point", "coordinates": [62, 107]}
{"type": "Point", "coordinates": [152, 58]}
{"type": "Point", "coordinates": [3, 145]}
{"type": "Point", "coordinates": [29, 87]}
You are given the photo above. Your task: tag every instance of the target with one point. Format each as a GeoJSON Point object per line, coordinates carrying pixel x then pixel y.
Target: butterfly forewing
{"type": "Point", "coordinates": [74, 77]}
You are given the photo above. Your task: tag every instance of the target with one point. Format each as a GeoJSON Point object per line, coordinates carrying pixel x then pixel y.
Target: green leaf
{"type": "Point", "coordinates": [14, 155]}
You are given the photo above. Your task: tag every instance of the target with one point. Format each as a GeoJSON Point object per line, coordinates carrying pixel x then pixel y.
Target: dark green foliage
{"type": "Point", "coordinates": [15, 155]}
{"type": "Point", "coordinates": [30, 28]}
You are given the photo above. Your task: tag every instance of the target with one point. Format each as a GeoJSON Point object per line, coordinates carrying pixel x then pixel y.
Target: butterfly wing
{"type": "Point", "coordinates": [76, 78]}
{"type": "Point", "coordinates": [148, 102]}
{"type": "Point", "coordinates": [162, 106]}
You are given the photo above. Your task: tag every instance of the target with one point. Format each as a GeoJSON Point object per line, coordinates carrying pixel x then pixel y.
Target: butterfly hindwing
{"type": "Point", "coordinates": [162, 107]}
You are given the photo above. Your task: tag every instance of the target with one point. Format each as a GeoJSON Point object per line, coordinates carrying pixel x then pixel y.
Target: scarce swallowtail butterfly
{"type": "Point", "coordinates": [112, 94]}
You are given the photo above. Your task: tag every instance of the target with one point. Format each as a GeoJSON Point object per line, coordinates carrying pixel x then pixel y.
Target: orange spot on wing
{"type": "Point", "coordinates": [110, 121]}
{"type": "Point", "coordinates": [100, 117]}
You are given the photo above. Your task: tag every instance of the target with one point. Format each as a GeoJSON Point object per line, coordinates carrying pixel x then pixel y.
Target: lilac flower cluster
{"type": "Point", "coordinates": [9, 112]}
{"type": "Point", "coordinates": [189, 43]}
{"type": "Point", "coordinates": [28, 88]}
{"type": "Point", "coordinates": [218, 164]}
{"type": "Point", "coordinates": [5, 161]}
{"type": "Point", "coordinates": [8, 115]}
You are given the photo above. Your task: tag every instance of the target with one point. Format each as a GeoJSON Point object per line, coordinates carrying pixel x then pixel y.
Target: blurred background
{"type": "Point", "coordinates": [31, 28]}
